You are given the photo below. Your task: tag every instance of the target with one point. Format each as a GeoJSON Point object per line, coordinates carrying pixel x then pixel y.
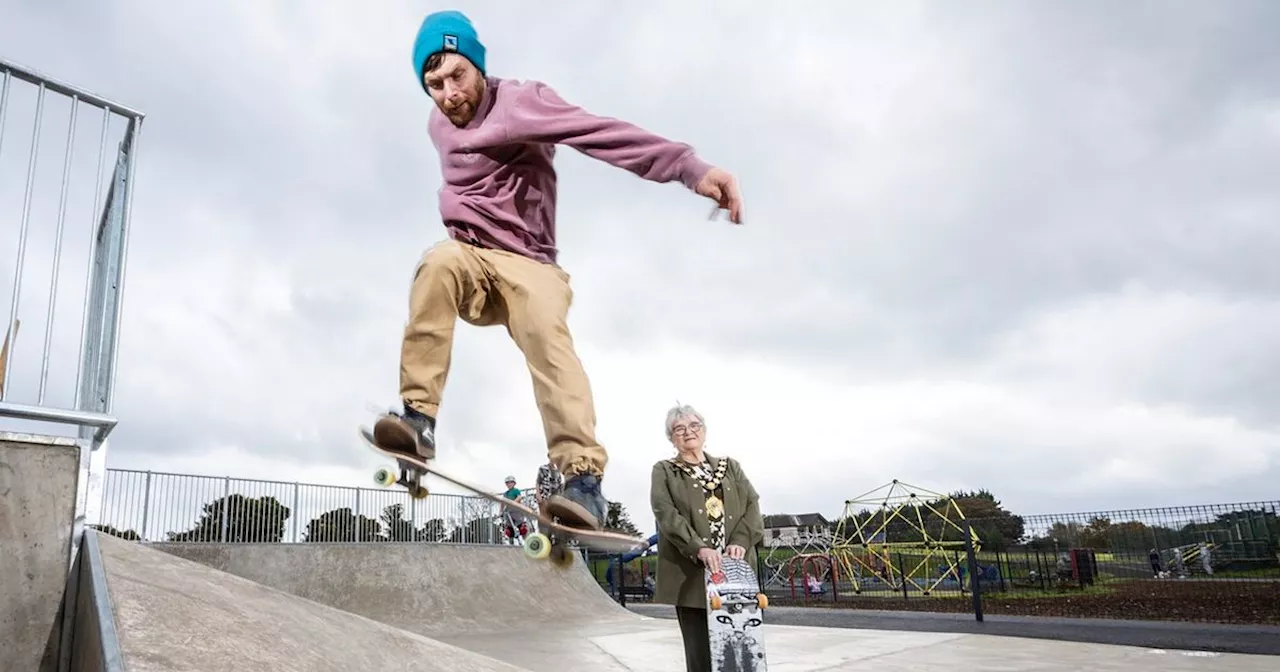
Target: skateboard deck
{"type": "Point", "coordinates": [735, 608]}
{"type": "Point", "coordinates": [537, 545]}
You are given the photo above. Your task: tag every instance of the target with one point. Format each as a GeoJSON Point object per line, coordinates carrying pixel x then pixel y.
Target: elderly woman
{"type": "Point", "coordinates": [705, 508]}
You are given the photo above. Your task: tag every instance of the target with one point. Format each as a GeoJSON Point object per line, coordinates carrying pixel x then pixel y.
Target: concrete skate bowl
{"type": "Point", "coordinates": [386, 606]}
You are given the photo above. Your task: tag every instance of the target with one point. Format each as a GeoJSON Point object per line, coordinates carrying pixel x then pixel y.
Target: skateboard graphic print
{"type": "Point", "coordinates": [735, 609]}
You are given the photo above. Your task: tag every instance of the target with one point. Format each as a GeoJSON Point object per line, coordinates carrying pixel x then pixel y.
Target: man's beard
{"type": "Point", "coordinates": [466, 110]}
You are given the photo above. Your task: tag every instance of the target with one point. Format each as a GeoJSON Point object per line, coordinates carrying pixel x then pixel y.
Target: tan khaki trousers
{"type": "Point", "coordinates": [531, 299]}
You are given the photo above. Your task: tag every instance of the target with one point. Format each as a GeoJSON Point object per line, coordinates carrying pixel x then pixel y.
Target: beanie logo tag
{"type": "Point", "coordinates": [451, 42]}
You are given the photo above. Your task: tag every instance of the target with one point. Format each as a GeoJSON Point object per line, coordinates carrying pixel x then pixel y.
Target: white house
{"type": "Point", "coordinates": [785, 529]}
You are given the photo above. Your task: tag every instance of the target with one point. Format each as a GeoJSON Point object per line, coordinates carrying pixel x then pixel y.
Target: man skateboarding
{"type": "Point", "coordinates": [496, 140]}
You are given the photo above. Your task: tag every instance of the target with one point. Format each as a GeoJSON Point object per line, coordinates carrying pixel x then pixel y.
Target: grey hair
{"type": "Point", "coordinates": [681, 411]}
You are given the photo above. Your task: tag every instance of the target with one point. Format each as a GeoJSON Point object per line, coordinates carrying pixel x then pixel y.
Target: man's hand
{"type": "Point", "coordinates": [709, 557]}
{"type": "Point", "coordinates": [735, 551]}
{"type": "Point", "coordinates": [722, 188]}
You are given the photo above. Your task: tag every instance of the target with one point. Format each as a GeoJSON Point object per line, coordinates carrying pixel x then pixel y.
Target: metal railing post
{"type": "Point", "coordinates": [226, 503]}
{"type": "Point", "coordinates": [146, 504]}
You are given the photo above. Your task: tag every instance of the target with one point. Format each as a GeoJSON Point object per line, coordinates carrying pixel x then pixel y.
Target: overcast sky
{"type": "Point", "coordinates": [1027, 247]}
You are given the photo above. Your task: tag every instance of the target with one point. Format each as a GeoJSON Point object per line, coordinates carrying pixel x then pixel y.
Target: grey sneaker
{"type": "Point", "coordinates": [411, 432]}
{"type": "Point", "coordinates": [580, 504]}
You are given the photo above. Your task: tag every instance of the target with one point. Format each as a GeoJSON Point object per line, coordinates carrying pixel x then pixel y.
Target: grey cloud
{"type": "Point", "coordinates": [1093, 160]}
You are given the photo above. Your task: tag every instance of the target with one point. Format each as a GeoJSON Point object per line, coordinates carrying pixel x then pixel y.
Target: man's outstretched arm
{"type": "Point", "coordinates": [539, 114]}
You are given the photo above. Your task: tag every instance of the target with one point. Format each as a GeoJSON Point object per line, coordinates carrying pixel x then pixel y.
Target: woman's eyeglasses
{"type": "Point", "coordinates": [681, 430]}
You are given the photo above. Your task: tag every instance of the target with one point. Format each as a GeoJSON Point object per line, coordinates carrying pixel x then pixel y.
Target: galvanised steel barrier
{"type": "Point", "coordinates": [66, 388]}
{"type": "Point", "coordinates": [59, 379]}
{"type": "Point", "coordinates": [157, 506]}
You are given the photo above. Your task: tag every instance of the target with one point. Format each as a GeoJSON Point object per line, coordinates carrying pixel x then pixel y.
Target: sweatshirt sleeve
{"type": "Point", "coordinates": [539, 114]}
{"type": "Point", "coordinates": [671, 525]}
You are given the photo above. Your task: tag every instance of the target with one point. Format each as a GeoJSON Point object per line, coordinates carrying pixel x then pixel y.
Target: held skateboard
{"type": "Point", "coordinates": [538, 545]}
{"type": "Point", "coordinates": [734, 616]}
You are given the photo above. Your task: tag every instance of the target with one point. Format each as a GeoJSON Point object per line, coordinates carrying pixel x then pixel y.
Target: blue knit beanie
{"type": "Point", "coordinates": [446, 31]}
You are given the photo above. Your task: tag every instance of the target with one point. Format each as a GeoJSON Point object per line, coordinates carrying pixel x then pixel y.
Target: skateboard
{"type": "Point", "coordinates": [538, 545]}
{"type": "Point", "coordinates": [734, 616]}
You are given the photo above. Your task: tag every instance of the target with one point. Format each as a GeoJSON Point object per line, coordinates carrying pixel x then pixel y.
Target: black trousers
{"type": "Point", "coordinates": [697, 640]}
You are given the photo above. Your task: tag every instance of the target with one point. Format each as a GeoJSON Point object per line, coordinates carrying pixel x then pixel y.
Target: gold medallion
{"type": "Point", "coordinates": [715, 508]}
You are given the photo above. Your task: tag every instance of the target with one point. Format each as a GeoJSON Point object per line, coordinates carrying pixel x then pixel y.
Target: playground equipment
{"type": "Point", "coordinates": [902, 536]}
{"type": "Point", "coordinates": [777, 566]}
{"type": "Point", "coordinates": [818, 566]}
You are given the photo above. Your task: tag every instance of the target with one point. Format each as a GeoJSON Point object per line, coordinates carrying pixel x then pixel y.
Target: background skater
{"type": "Point", "coordinates": [496, 140]}
{"type": "Point", "coordinates": [517, 527]}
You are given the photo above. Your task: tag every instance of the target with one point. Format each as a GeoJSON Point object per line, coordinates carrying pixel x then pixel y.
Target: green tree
{"type": "Point", "coordinates": [246, 519]}
{"type": "Point", "coordinates": [396, 527]}
{"type": "Point", "coordinates": [617, 520]}
{"type": "Point", "coordinates": [997, 527]}
{"type": "Point", "coordinates": [1061, 535]}
{"type": "Point", "coordinates": [1096, 533]}
{"type": "Point", "coordinates": [479, 530]}
{"type": "Point", "coordinates": [1131, 535]}
{"type": "Point", "coordinates": [434, 530]}
{"type": "Point", "coordinates": [342, 525]}
{"type": "Point", "coordinates": [129, 535]}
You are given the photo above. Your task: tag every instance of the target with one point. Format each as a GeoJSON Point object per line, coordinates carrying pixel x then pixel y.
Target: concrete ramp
{"type": "Point", "coordinates": [174, 615]}
{"type": "Point", "coordinates": [438, 590]}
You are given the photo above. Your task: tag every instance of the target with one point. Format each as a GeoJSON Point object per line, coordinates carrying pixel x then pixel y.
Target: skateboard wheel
{"type": "Point", "coordinates": [384, 477]}
{"type": "Point", "coordinates": [762, 600]}
{"type": "Point", "coordinates": [715, 602]}
{"type": "Point", "coordinates": [537, 546]}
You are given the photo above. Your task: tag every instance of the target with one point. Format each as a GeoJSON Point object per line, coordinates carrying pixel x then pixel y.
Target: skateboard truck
{"type": "Point", "coordinates": [762, 601]}
{"type": "Point", "coordinates": [412, 478]}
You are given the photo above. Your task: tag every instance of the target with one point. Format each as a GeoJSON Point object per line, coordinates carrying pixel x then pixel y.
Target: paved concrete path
{"type": "Point", "coordinates": [1223, 638]}
{"type": "Point", "coordinates": [426, 607]}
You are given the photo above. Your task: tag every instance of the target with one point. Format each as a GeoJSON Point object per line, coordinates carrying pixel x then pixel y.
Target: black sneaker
{"type": "Point", "coordinates": [580, 504]}
{"type": "Point", "coordinates": [411, 432]}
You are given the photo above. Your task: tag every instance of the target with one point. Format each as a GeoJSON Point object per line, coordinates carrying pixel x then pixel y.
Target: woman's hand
{"type": "Point", "coordinates": [736, 552]}
{"type": "Point", "coordinates": [710, 558]}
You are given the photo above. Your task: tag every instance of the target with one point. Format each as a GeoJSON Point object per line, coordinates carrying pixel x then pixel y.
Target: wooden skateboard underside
{"type": "Point", "coordinates": [734, 618]}
{"type": "Point", "coordinates": [537, 545]}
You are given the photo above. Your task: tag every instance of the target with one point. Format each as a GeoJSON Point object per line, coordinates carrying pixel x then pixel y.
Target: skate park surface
{"type": "Point", "coordinates": [405, 606]}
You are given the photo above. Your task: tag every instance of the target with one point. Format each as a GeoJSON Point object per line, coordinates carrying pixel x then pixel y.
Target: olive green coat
{"type": "Point", "coordinates": [678, 504]}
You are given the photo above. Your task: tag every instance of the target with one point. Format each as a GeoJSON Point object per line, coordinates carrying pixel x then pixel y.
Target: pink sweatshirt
{"type": "Point", "coordinates": [499, 182]}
